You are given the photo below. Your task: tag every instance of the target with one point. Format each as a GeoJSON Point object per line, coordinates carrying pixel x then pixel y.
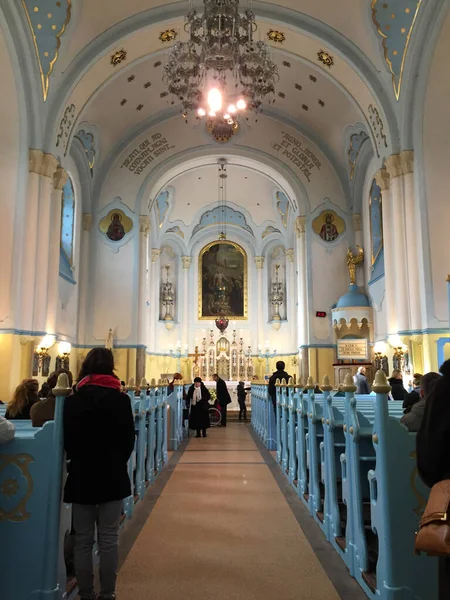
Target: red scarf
{"type": "Point", "coordinates": [108, 381]}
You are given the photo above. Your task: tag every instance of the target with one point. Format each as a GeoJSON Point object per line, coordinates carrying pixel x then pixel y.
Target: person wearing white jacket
{"type": "Point", "coordinates": [7, 430]}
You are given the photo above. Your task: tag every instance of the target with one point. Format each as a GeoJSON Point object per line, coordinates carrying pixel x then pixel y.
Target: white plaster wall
{"type": "Point", "coordinates": [9, 173]}
{"type": "Point", "coordinates": [113, 295]}
{"type": "Point", "coordinates": [436, 146]}
{"type": "Point", "coordinates": [329, 281]}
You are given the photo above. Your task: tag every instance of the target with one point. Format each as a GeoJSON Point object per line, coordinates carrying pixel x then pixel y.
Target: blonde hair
{"type": "Point", "coordinates": [26, 393]}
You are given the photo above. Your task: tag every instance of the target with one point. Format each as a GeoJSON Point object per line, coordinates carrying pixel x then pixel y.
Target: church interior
{"type": "Point", "coordinates": [211, 187]}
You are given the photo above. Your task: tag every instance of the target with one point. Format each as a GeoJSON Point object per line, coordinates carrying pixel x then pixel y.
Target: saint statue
{"type": "Point", "coordinates": [109, 340]}
{"type": "Point", "coordinates": [352, 261]}
{"type": "Point", "coordinates": [329, 232]}
{"type": "Point", "coordinates": [116, 230]}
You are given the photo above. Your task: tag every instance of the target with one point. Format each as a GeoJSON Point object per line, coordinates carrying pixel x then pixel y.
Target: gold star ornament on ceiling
{"type": "Point", "coordinates": [325, 58]}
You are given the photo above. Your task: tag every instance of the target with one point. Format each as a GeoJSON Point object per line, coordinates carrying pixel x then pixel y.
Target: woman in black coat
{"type": "Point", "coordinates": [99, 436]}
{"type": "Point", "coordinates": [198, 399]}
{"type": "Point", "coordinates": [398, 392]}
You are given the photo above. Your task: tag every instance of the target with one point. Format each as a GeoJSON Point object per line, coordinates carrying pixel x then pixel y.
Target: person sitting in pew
{"type": "Point", "coordinates": [99, 438]}
{"type": "Point", "coordinates": [7, 430]}
{"type": "Point", "coordinates": [398, 391]}
{"type": "Point", "coordinates": [413, 419]}
{"type": "Point", "coordinates": [44, 411]}
{"type": "Point", "coordinates": [413, 396]}
{"type": "Point", "coordinates": [24, 397]}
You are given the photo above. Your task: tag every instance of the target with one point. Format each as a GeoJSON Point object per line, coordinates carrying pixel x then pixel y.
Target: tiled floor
{"type": "Point", "coordinates": [222, 528]}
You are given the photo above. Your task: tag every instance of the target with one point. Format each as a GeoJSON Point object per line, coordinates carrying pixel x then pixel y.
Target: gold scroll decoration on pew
{"type": "Point", "coordinates": [12, 486]}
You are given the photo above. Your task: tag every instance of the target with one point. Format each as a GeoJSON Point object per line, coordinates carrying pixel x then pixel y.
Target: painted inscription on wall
{"type": "Point", "coordinates": [292, 149]}
{"type": "Point", "coordinates": [144, 154]}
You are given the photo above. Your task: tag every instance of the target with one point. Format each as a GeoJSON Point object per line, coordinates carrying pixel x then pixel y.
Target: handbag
{"type": "Point", "coordinates": [433, 537]}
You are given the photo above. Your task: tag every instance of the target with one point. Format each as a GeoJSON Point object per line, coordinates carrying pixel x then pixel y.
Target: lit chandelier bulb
{"type": "Point", "coordinates": [226, 116]}
{"type": "Point", "coordinates": [232, 109]}
{"type": "Point", "coordinates": [201, 112]}
{"type": "Point", "coordinates": [241, 104]}
{"type": "Point", "coordinates": [214, 99]}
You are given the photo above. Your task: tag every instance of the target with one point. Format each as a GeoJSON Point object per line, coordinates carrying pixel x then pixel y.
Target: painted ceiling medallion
{"type": "Point", "coordinates": [394, 22]}
{"type": "Point", "coordinates": [167, 36]}
{"type": "Point", "coordinates": [325, 58]}
{"type": "Point", "coordinates": [220, 130]}
{"type": "Point", "coordinates": [276, 36]}
{"type": "Point", "coordinates": [47, 30]}
{"type": "Point", "coordinates": [118, 57]}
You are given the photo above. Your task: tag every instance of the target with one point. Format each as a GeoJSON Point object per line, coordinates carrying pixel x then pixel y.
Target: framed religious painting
{"type": "Point", "coordinates": [222, 281]}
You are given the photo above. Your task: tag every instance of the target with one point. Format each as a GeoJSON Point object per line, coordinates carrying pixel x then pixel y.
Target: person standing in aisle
{"type": "Point", "coordinates": [360, 380]}
{"type": "Point", "coordinates": [241, 395]}
{"type": "Point", "coordinates": [223, 397]}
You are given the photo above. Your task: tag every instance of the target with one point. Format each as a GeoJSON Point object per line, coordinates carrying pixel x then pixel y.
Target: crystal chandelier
{"type": "Point", "coordinates": [221, 71]}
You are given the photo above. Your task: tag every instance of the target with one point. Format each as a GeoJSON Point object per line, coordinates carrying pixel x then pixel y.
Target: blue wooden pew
{"type": "Point", "coordinates": [31, 480]}
{"type": "Point", "coordinates": [354, 468]}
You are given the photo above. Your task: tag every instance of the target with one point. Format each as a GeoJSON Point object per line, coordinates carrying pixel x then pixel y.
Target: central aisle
{"type": "Point", "coordinates": [222, 529]}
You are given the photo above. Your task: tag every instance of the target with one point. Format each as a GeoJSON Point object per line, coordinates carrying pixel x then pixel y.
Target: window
{"type": "Point", "coordinates": [67, 230]}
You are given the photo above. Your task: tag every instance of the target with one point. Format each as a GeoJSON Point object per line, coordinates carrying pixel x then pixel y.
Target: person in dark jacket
{"type": "Point", "coordinates": [360, 380]}
{"type": "Point", "coordinates": [25, 395]}
{"type": "Point", "coordinates": [280, 374]}
{"type": "Point", "coordinates": [44, 410]}
{"type": "Point", "coordinates": [398, 392]}
{"type": "Point", "coordinates": [198, 398]}
{"type": "Point", "coordinates": [241, 395]}
{"type": "Point", "coordinates": [223, 397]}
{"type": "Point", "coordinates": [413, 419]}
{"type": "Point", "coordinates": [99, 436]}
{"type": "Point", "coordinates": [433, 438]}
{"type": "Point", "coordinates": [414, 395]}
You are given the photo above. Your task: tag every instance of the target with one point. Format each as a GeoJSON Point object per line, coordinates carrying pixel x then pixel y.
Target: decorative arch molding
{"type": "Point", "coordinates": [416, 76]}
{"type": "Point", "coordinates": [233, 217]}
{"type": "Point", "coordinates": [338, 43]}
{"type": "Point", "coordinates": [27, 81]}
{"type": "Point", "coordinates": [355, 137]}
{"type": "Point", "coordinates": [260, 162]}
{"type": "Point", "coordinates": [88, 136]}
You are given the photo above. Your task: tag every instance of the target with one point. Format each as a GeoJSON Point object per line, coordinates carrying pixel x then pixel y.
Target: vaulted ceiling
{"type": "Point", "coordinates": [341, 67]}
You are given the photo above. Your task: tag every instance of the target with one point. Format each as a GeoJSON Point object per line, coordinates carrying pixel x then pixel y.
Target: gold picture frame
{"type": "Point", "coordinates": [241, 315]}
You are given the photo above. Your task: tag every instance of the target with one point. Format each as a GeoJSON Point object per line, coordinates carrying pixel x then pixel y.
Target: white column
{"type": "Point", "coordinates": [303, 304]}
{"type": "Point", "coordinates": [259, 262]}
{"type": "Point", "coordinates": [154, 301]}
{"type": "Point", "coordinates": [291, 313]}
{"type": "Point", "coordinates": [357, 228]}
{"type": "Point", "coordinates": [83, 276]}
{"type": "Point", "coordinates": [142, 325]}
{"type": "Point", "coordinates": [59, 181]}
{"type": "Point", "coordinates": [42, 251]}
{"type": "Point", "coordinates": [184, 314]}
{"type": "Point", "coordinates": [383, 181]}
{"type": "Point", "coordinates": [400, 256]}
{"type": "Point", "coordinates": [416, 280]}
{"type": "Point", "coordinates": [34, 255]}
